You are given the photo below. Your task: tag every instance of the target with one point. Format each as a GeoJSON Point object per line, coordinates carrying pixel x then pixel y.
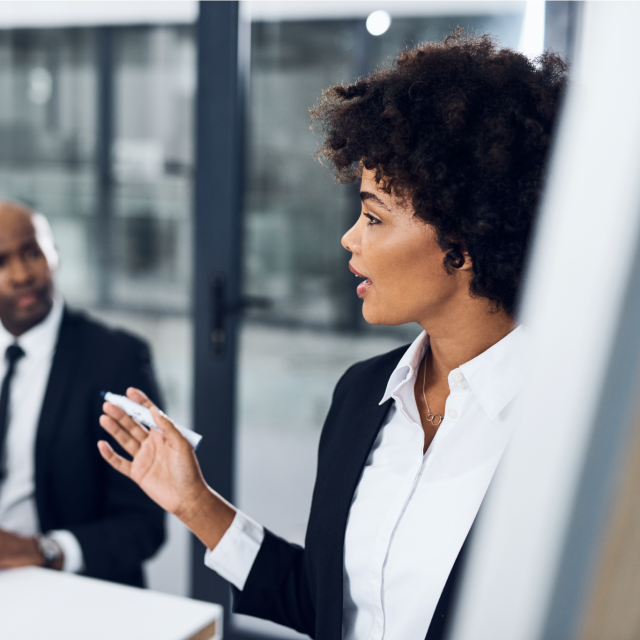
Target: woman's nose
{"type": "Point", "coordinates": [350, 239]}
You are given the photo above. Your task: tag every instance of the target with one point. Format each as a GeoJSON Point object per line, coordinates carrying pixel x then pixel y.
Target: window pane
{"type": "Point", "coordinates": [49, 136]}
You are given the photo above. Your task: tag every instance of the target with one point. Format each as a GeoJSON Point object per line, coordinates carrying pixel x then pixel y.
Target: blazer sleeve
{"type": "Point", "coordinates": [277, 587]}
{"type": "Point", "coordinates": [131, 526]}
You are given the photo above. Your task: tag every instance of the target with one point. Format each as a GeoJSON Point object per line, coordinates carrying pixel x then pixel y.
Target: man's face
{"type": "Point", "coordinates": [26, 278]}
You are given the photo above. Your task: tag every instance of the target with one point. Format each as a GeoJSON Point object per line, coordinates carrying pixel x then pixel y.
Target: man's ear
{"type": "Point", "coordinates": [44, 236]}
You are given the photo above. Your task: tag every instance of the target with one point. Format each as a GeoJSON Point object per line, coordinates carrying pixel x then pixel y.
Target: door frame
{"type": "Point", "coordinates": [222, 43]}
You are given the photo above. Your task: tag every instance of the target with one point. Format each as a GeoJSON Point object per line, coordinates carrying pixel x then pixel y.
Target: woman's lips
{"type": "Point", "coordinates": [363, 287]}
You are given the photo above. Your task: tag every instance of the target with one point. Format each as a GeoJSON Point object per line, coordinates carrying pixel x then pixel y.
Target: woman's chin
{"type": "Point", "coordinates": [379, 315]}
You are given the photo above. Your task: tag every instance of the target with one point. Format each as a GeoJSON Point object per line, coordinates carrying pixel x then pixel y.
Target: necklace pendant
{"type": "Point", "coordinates": [432, 417]}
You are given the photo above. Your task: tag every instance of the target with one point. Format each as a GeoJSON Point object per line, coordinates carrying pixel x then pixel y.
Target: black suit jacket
{"type": "Point", "coordinates": [116, 524]}
{"type": "Point", "coordinates": [302, 587]}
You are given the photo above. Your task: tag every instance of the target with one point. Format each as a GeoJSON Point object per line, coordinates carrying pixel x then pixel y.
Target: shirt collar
{"type": "Point", "coordinates": [39, 340]}
{"type": "Point", "coordinates": [497, 374]}
{"type": "Point", "coordinates": [407, 367]}
{"type": "Point", "coordinates": [494, 377]}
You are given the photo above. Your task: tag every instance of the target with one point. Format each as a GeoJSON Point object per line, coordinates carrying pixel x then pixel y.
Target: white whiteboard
{"type": "Point", "coordinates": [538, 536]}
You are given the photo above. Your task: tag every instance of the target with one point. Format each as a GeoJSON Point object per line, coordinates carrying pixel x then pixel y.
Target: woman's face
{"type": "Point", "coordinates": [400, 258]}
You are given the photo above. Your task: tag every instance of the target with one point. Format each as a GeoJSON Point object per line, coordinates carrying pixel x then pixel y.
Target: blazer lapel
{"type": "Point", "coordinates": [357, 423]}
{"type": "Point", "coordinates": [56, 396]}
{"type": "Point", "coordinates": [366, 418]}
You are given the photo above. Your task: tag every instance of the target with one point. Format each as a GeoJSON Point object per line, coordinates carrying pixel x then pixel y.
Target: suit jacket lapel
{"type": "Point", "coordinates": [56, 396]}
{"type": "Point", "coordinates": [352, 457]}
{"type": "Point", "coordinates": [358, 423]}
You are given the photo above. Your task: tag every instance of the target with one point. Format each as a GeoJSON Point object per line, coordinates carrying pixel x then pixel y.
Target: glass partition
{"type": "Point", "coordinates": [48, 109]}
{"type": "Point", "coordinates": [154, 83]}
{"type": "Point", "coordinates": [53, 107]}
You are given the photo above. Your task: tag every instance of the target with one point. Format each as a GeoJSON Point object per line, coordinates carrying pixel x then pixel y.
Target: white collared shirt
{"type": "Point", "coordinates": [412, 511]}
{"type": "Point", "coordinates": [18, 511]}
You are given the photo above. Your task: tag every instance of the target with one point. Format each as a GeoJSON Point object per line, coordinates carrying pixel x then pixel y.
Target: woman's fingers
{"type": "Point", "coordinates": [164, 422]}
{"type": "Point", "coordinates": [140, 397]}
{"type": "Point", "coordinates": [130, 444]}
{"type": "Point", "coordinates": [128, 431]}
{"type": "Point", "coordinates": [126, 422]}
{"type": "Point", "coordinates": [116, 461]}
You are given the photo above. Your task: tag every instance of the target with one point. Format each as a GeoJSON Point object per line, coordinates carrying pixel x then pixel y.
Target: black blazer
{"type": "Point", "coordinates": [302, 587]}
{"type": "Point", "coordinates": [116, 524]}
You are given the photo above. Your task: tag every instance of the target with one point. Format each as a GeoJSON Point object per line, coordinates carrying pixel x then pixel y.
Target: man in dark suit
{"type": "Point", "coordinates": [61, 505]}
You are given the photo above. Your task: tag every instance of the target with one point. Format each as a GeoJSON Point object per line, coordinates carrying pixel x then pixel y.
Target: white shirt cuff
{"type": "Point", "coordinates": [73, 558]}
{"type": "Point", "coordinates": [236, 552]}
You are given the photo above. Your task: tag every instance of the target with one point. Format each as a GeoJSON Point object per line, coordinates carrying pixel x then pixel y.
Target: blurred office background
{"type": "Point", "coordinates": [98, 131]}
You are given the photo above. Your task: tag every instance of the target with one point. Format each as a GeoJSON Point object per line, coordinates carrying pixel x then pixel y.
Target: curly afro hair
{"type": "Point", "coordinates": [461, 130]}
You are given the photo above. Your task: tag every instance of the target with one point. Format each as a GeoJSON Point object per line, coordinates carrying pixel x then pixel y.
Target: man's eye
{"type": "Point", "coordinates": [32, 254]}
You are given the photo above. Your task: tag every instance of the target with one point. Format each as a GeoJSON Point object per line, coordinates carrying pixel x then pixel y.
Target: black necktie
{"type": "Point", "coordinates": [12, 355]}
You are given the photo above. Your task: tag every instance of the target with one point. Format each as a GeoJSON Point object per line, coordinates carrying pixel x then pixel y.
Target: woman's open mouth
{"type": "Point", "coordinates": [364, 286]}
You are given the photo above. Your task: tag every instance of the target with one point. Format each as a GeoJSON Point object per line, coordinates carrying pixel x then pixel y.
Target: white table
{"type": "Point", "coordinates": [41, 604]}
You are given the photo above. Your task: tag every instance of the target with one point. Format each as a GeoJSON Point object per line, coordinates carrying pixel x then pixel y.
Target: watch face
{"type": "Point", "coordinates": [49, 549]}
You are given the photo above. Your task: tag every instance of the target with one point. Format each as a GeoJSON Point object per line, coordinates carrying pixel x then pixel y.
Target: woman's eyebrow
{"type": "Point", "coordinates": [367, 195]}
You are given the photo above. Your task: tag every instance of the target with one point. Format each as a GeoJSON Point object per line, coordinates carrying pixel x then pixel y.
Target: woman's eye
{"type": "Point", "coordinates": [372, 220]}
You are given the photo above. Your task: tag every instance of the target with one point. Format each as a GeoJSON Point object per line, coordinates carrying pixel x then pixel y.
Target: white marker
{"type": "Point", "coordinates": [143, 416]}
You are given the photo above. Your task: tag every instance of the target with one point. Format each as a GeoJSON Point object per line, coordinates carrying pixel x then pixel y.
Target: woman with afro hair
{"type": "Point", "coordinates": [450, 146]}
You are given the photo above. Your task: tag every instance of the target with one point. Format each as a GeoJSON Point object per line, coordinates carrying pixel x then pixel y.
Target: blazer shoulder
{"type": "Point", "coordinates": [381, 366]}
{"type": "Point", "coordinates": [97, 334]}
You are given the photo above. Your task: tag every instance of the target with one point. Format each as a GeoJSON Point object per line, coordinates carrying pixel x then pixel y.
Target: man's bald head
{"type": "Point", "coordinates": [41, 225]}
{"type": "Point", "coordinates": [28, 259]}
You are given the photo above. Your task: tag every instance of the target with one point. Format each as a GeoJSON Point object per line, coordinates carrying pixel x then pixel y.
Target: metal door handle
{"type": "Point", "coordinates": [220, 308]}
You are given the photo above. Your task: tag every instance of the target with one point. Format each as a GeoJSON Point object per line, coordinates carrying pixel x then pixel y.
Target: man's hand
{"type": "Point", "coordinates": [18, 551]}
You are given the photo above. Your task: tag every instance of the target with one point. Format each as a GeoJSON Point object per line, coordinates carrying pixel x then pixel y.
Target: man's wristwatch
{"type": "Point", "coordinates": [49, 549]}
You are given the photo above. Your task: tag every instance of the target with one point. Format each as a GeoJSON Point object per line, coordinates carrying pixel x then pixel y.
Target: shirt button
{"type": "Point", "coordinates": [453, 414]}
{"type": "Point", "coordinates": [460, 384]}
{"type": "Point", "coordinates": [457, 376]}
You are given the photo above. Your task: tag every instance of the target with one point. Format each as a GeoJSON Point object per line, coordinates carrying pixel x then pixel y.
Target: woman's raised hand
{"type": "Point", "coordinates": [166, 468]}
{"type": "Point", "coordinates": [164, 464]}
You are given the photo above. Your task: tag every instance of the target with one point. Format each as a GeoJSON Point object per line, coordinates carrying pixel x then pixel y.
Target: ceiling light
{"type": "Point", "coordinates": [378, 22]}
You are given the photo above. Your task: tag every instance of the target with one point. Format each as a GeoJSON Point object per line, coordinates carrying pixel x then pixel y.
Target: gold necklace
{"type": "Point", "coordinates": [431, 417]}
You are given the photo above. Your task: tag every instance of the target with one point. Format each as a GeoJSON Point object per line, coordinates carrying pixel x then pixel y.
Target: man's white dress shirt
{"type": "Point", "coordinates": [18, 511]}
{"type": "Point", "coordinates": [411, 512]}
